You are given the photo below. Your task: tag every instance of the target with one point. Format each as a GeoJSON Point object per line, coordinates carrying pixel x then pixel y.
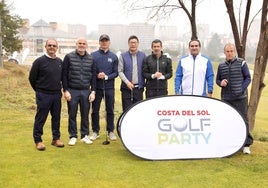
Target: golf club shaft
{"type": "Point", "coordinates": [131, 95]}
{"type": "Point", "coordinates": [106, 142]}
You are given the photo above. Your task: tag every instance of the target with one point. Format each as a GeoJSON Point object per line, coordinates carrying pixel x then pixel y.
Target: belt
{"type": "Point", "coordinates": [136, 85]}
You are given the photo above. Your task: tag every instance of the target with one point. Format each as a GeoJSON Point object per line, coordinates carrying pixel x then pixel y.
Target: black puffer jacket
{"type": "Point", "coordinates": [238, 76]}
{"type": "Point", "coordinates": [79, 72]}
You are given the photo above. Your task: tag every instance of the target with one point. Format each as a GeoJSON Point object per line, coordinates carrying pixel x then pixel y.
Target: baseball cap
{"type": "Point", "coordinates": [104, 36]}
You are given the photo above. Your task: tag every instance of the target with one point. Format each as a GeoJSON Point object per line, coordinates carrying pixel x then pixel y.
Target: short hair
{"type": "Point", "coordinates": [229, 44]}
{"type": "Point", "coordinates": [199, 43]}
{"type": "Point", "coordinates": [156, 41]}
{"type": "Point", "coordinates": [51, 39]}
{"type": "Point", "coordinates": [133, 37]}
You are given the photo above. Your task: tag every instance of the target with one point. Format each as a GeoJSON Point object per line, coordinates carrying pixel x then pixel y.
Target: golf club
{"type": "Point", "coordinates": [131, 95]}
{"type": "Point", "coordinates": [106, 142]}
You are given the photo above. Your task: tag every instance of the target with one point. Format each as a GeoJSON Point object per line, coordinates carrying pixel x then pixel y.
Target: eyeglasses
{"type": "Point", "coordinates": [52, 45]}
{"type": "Point", "coordinates": [194, 46]}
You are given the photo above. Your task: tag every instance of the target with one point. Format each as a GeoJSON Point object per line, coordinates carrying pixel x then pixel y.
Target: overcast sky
{"type": "Point", "coordinates": [94, 12]}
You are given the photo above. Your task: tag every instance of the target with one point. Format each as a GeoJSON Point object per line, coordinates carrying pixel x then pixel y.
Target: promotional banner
{"type": "Point", "coordinates": [182, 127]}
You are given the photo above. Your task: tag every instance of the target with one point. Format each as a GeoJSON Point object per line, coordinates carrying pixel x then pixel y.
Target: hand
{"type": "Point", "coordinates": [224, 82]}
{"type": "Point", "coordinates": [209, 94]}
{"type": "Point", "coordinates": [67, 95]}
{"type": "Point", "coordinates": [101, 75]}
{"type": "Point", "coordinates": [157, 75]}
{"type": "Point", "coordinates": [91, 97]}
{"type": "Point", "coordinates": [130, 85]}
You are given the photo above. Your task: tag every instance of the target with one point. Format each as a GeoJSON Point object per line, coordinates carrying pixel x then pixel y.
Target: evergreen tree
{"type": "Point", "coordinates": [10, 25]}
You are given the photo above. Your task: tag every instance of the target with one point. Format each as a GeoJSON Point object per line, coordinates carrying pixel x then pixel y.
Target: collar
{"type": "Point", "coordinates": [50, 56]}
{"type": "Point", "coordinates": [104, 51]}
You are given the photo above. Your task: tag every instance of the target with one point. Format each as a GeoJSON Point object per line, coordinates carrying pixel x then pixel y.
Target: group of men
{"type": "Point", "coordinates": [90, 78]}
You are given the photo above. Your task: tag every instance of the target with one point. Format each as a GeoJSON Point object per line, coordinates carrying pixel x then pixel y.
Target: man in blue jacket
{"type": "Point", "coordinates": [194, 74]}
{"type": "Point", "coordinates": [106, 70]}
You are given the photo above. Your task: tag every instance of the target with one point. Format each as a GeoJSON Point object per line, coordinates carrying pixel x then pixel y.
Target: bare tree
{"type": "Point", "coordinates": [259, 68]}
{"type": "Point", "coordinates": [165, 8]}
{"type": "Point", "coordinates": [240, 35]}
{"type": "Point", "coordinates": [240, 39]}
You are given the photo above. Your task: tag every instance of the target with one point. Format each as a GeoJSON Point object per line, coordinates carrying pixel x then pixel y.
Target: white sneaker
{"type": "Point", "coordinates": [94, 136]}
{"type": "Point", "coordinates": [112, 136]}
{"type": "Point", "coordinates": [72, 141]}
{"type": "Point", "coordinates": [86, 140]}
{"type": "Point", "coordinates": [246, 150]}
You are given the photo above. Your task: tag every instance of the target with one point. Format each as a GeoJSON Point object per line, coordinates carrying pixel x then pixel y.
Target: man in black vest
{"type": "Point", "coordinates": [130, 73]}
{"type": "Point", "coordinates": [79, 83]}
{"type": "Point", "coordinates": [233, 77]}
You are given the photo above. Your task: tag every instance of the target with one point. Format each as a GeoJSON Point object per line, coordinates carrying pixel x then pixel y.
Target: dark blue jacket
{"type": "Point", "coordinates": [106, 62]}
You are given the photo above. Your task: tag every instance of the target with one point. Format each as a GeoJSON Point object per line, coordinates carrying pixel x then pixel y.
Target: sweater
{"type": "Point", "coordinates": [45, 75]}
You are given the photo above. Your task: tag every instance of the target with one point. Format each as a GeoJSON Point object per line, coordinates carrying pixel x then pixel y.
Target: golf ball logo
{"type": "Point", "coordinates": [180, 124]}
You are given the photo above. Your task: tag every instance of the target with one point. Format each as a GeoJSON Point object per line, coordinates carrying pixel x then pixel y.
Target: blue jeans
{"type": "Point", "coordinates": [79, 97]}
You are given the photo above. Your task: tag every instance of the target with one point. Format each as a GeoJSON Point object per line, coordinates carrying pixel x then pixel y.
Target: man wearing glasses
{"type": "Point", "coordinates": [194, 74]}
{"type": "Point", "coordinates": [45, 79]}
{"type": "Point", "coordinates": [130, 73]}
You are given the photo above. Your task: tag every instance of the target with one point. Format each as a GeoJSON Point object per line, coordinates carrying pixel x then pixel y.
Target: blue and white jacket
{"type": "Point", "coordinates": [194, 76]}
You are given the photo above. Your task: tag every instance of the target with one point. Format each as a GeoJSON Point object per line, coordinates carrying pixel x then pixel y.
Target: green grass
{"type": "Point", "coordinates": [96, 165]}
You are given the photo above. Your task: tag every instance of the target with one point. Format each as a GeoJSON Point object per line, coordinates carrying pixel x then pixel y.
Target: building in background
{"type": "Point", "coordinates": [119, 34]}
{"type": "Point", "coordinates": [34, 36]}
{"type": "Point", "coordinates": [175, 39]}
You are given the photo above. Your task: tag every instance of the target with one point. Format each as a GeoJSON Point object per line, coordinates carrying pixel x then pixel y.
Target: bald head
{"type": "Point", "coordinates": [81, 46]}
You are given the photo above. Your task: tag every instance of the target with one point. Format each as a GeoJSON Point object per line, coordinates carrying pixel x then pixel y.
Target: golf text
{"type": "Point", "coordinates": [187, 127]}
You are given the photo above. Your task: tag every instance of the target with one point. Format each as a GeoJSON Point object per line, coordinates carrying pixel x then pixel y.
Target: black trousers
{"type": "Point", "coordinates": [129, 97]}
{"type": "Point", "coordinates": [79, 98]}
{"type": "Point", "coordinates": [47, 103]}
{"type": "Point", "coordinates": [155, 92]}
{"type": "Point", "coordinates": [109, 108]}
{"type": "Point", "coordinates": [241, 105]}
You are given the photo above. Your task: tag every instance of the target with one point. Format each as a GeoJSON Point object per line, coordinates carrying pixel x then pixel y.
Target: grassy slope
{"type": "Point", "coordinates": [107, 166]}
